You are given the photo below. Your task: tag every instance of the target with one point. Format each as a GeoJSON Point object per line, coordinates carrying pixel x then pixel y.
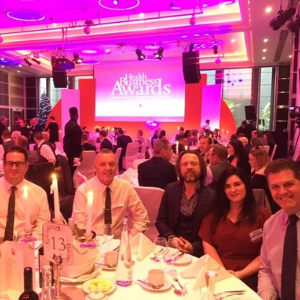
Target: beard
{"type": "Point", "coordinates": [191, 176]}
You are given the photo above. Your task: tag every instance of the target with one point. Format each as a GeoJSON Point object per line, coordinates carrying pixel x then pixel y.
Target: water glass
{"type": "Point", "coordinates": [108, 234]}
{"type": "Point", "coordinates": [160, 249]}
{"type": "Point", "coordinates": [211, 273]}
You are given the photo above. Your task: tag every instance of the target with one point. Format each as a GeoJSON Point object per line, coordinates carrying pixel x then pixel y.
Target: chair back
{"type": "Point", "coordinates": [143, 150]}
{"type": "Point", "coordinates": [117, 155]}
{"type": "Point", "coordinates": [136, 162]}
{"type": "Point", "coordinates": [151, 198]}
{"type": "Point", "coordinates": [132, 152]}
{"type": "Point", "coordinates": [261, 198]}
{"type": "Point", "coordinates": [273, 151]}
{"type": "Point", "coordinates": [86, 167]}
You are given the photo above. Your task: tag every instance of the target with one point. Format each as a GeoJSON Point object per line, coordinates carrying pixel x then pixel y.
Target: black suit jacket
{"type": "Point", "coordinates": [106, 143]}
{"type": "Point", "coordinates": [122, 142]}
{"type": "Point", "coordinates": [2, 128]}
{"type": "Point", "coordinates": [88, 147]}
{"type": "Point", "coordinates": [156, 172]}
{"type": "Point", "coordinates": [168, 214]}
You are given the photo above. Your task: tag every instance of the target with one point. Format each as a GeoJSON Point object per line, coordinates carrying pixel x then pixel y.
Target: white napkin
{"type": "Point", "coordinates": [197, 270]}
{"type": "Point", "coordinates": [130, 175]}
{"type": "Point", "coordinates": [141, 246]}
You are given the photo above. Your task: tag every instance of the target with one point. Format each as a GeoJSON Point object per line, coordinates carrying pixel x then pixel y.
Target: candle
{"type": "Point", "coordinates": [108, 128]}
{"type": "Point", "coordinates": [60, 137]}
{"type": "Point", "coordinates": [178, 128]}
{"type": "Point", "coordinates": [26, 206]}
{"type": "Point", "coordinates": [185, 147]}
{"type": "Point", "coordinates": [54, 191]}
{"type": "Point", "coordinates": [227, 134]}
{"type": "Point", "coordinates": [89, 212]}
{"type": "Point", "coordinates": [177, 147]}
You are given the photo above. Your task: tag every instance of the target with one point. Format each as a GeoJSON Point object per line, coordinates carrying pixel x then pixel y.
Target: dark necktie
{"type": "Point", "coordinates": [289, 261]}
{"type": "Point", "coordinates": [107, 210]}
{"type": "Point", "coordinates": [9, 229]}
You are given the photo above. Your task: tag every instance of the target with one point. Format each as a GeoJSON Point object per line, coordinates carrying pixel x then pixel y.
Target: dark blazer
{"type": "Point", "coordinates": [106, 143]}
{"type": "Point", "coordinates": [2, 128]}
{"type": "Point", "coordinates": [156, 172]}
{"type": "Point", "coordinates": [88, 147]}
{"type": "Point", "coordinates": [168, 214]}
{"type": "Point", "coordinates": [123, 141]}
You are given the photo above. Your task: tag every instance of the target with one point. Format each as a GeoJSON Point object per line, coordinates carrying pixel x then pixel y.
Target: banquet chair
{"type": "Point", "coordinates": [261, 198]}
{"type": "Point", "coordinates": [151, 198]}
{"type": "Point", "coordinates": [117, 155]}
{"type": "Point", "coordinates": [143, 150]}
{"type": "Point", "coordinates": [86, 167]}
{"type": "Point", "coordinates": [136, 162]}
{"type": "Point", "coordinates": [273, 151]}
{"type": "Point", "coordinates": [132, 152]}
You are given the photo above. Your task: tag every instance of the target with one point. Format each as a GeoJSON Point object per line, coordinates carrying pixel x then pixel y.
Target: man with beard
{"type": "Point", "coordinates": [185, 203]}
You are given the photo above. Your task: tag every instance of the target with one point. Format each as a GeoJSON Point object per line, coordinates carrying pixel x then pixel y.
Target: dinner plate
{"type": "Point", "coordinates": [183, 260]}
{"type": "Point", "coordinates": [105, 267]}
{"type": "Point", "coordinates": [85, 286]}
{"type": "Point", "coordinates": [79, 279]}
{"type": "Point", "coordinates": [166, 286]}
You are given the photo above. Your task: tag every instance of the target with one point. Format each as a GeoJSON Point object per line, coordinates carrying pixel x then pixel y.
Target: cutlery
{"type": "Point", "coordinates": [223, 295]}
{"type": "Point", "coordinates": [172, 255]}
{"type": "Point", "coordinates": [154, 286]}
{"type": "Point", "coordinates": [175, 258]}
{"type": "Point", "coordinates": [175, 278]}
{"type": "Point", "coordinates": [230, 292]}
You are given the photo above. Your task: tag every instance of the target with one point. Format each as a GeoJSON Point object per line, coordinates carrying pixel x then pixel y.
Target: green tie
{"type": "Point", "coordinates": [9, 229]}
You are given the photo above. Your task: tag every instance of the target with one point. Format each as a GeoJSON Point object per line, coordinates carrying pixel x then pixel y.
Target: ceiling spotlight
{"type": "Point", "coordinates": [88, 24]}
{"type": "Point", "coordinates": [36, 61]}
{"type": "Point", "coordinates": [115, 2]}
{"type": "Point", "coordinates": [77, 60]}
{"type": "Point", "coordinates": [27, 62]}
{"type": "Point", "coordinates": [282, 17]}
{"type": "Point", "coordinates": [293, 26]}
{"type": "Point", "coordinates": [215, 47]}
{"type": "Point", "coordinates": [140, 54]}
{"type": "Point", "coordinates": [193, 20]}
{"type": "Point", "coordinates": [159, 53]}
{"type": "Point", "coordinates": [218, 60]}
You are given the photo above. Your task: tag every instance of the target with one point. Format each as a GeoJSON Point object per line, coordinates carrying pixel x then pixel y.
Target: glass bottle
{"type": "Point", "coordinates": [124, 265]}
{"type": "Point", "coordinates": [29, 293]}
{"type": "Point", "coordinates": [47, 290]}
{"type": "Point", "coordinates": [43, 262]}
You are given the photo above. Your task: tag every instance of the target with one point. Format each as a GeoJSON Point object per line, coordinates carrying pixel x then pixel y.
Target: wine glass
{"type": "Point", "coordinates": [169, 258]}
{"type": "Point", "coordinates": [108, 234]}
{"type": "Point", "coordinates": [211, 270]}
{"type": "Point", "coordinates": [160, 249]}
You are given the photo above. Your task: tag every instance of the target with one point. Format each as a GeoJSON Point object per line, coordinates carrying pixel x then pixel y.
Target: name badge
{"type": "Point", "coordinates": [256, 234]}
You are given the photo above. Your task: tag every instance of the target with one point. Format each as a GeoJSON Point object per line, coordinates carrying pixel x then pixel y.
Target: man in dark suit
{"type": "Point", "coordinates": [158, 171]}
{"type": "Point", "coordinates": [217, 156]}
{"type": "Point", "coordinates": [86, 146]}
{"type": "Point", "coordinates": [105, 142]}
{"type": "Point", "coordinates": [185, 203]}
{"type": "Point", "coordinates": [3, 122]}
{"type": "Point", "coordinates": [72, 138]}
{"type": "Point", "coordinates": [122, 141]}
{"type": "Point", "coordinates": [34, 127]}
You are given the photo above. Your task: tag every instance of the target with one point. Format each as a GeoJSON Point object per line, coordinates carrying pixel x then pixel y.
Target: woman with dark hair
{"type": "Point", "coordinates": [259, 160]}
{"type": "Point", "coordinates": [232, 233]}
{"type": "Point", "coordinates": [237, 155]}
{"type": "Point", "coordinates": [162, 135]}
{"type": "Point", "coordinates": [269, 139]}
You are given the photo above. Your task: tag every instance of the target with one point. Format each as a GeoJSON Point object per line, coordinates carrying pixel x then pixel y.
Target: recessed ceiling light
{"type": "Point", "coordinates": [54, 24]}
{"type": "Point", "coordinates": [89, 51]}
{"type": "Point", "coordinates": [232, 40]}
{"type": "Point", "coordinates": [141, 15]}
{"type": "Point", "coordinates": [264, 57]}
{"type": "Point", "coordinates": [264, 50]}
{"type": "Point", "coordinates": [20, 66]}
{"type": "Point", "coordinates": [184, 36]}
{"type": "Point", "coordinates": [196, 34]}
{"type": "Point", "coordinates": [268, 9]}
{"type": "Point", "coordinates": [290, 56]}
{"type": "Point", "coordinates": [18, 71]}
{"type": "Point", "coordinates": [2, 66]}
{"type": "Point", "coordinates": [266, 40]}
{"type": "Point", "coordinates": [107, 51]}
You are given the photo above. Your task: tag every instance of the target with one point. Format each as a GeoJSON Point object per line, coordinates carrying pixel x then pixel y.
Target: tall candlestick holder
{"type": "Point", "coordinates": [87, 241]}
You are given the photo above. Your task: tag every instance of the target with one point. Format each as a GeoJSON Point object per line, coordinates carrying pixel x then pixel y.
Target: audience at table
{"type": "Point", "coordinates": [85, 145]}
{"type": "Point", "coordinates": [7, 142]}
{"type": "Point", "coordinates": [3, 123]}
{"type": "Point", "coordinates": [15, 166]}
{"type": "Point", "coordinates": [181, 144]}
{"type": "Point", "coordinates": [217, 156]}
{"type": "Point", "coordinates": [34, 127]}
{"type": "Point", "coordinates": [270, 142]}
{"type": "Point", "coordinates": [205, 143]}
{"type": "Point", "coordinates": [259, 159]}
{"type": "Point", "coordinates": [232, 232]}
{"type": "Point", "coordinates": [246, 129]}
{"type": "Point", "coordinates": [162, 135]}
{"type": "Point", "coordinates": [140, 139]}
{"type": "Point", "coordinates": [158, 171]}
{"type": "Point", "coordinates": [23, 128]}
{"type": "Point", "coordinates": [124, 199]}
{"type": "Point", "coordinates": [44, 149]}
{"type": "Point", "coordinates": [122, 142]}
{"type": "Point", "coordinates": [53, 130]}
{"type": "Point", "coordinates": [237, 156]}
{"type": "Point", "coordinates": [105, 142]}
{"type": "Point", "coordinates": [185, 203]}
{"type": "Point", "coordinates": [193, 139]}
{"type": "Point", "coordinates": [280, 264]}
{"type": "Point", "coordinates": [155, 136]}
{"type": "Point", "coordinates": [33, 157]}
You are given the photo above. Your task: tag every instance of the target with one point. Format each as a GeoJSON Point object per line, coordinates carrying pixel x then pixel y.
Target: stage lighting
{"type": "Point", "coordinates": [191, 48]}
{"type": "Point", "coordinates": [159, 53]}
{"type": "Point", "coordinates": [293, 26]}
{"type": "Point", "coordinates": [36, 61]}
{"type": "Point", "coordinates": [281, 18]}
{"type": "Point", "coordinates": [115, 2]}
{"type": "Point", "coordinates": [215, 47]}
{"type": "Point", "coordinates": [140, 54]}
{"type": "Point", "coordinates": [77, 60]}
{"type": "Point", "coordinates": [88, 24]}
{"type": "Point", "coordinates": [27, 62]}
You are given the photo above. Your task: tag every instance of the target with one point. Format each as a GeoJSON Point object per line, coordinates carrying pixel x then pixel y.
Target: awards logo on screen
{"type": "Point", "coordinates": [140, 84]}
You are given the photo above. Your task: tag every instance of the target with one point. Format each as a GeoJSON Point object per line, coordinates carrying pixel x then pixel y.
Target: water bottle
{"type": "Point", "coordinates": [124, 265]}
{"type": "Point", "coordinates": [47, 290]}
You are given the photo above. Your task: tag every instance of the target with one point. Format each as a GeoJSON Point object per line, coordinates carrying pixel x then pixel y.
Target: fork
{"type": "Point", "coordinates": [175, 278]}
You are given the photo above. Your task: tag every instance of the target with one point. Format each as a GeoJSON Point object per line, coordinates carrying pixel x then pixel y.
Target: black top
{"type": "Point", "coordinates": [156, 172]}
{"type": "Point", "coordinates": [246, 131]}
{"type": "Point", "coordinates": [88, 147]}
{"type": "Point", "coordinates": [259, 181]}
{"type": "Point", "coordinates": [242, 162]}
{"type": "Point", "coordinates": [72, 138]}
{"type": "Point", "coordinates": [106, 143]}
{"type": "Point", "coordinates": [2, 128]}
{"type": "Point", "coordinates": [53, 131]}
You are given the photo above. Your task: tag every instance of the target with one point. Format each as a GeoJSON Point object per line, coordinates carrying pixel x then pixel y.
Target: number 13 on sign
{"type": "Point", "coordinates": [58, 241]}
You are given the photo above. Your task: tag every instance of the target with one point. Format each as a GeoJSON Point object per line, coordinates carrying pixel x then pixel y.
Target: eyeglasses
{"type": "Point", "coordinates": [18, 164]}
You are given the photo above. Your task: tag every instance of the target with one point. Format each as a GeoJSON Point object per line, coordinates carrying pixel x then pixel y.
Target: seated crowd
{"type": "Point", "coordinates": [208, 205]}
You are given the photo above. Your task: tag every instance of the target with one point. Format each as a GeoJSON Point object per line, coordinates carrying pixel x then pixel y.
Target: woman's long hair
{"type": "Point", "coordinates": [238, 148]}
{"type": "Point", "coordinates": [222, 204]}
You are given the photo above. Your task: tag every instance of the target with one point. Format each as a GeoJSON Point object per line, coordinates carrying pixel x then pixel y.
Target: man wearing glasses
{"type": "Point", "coordinates": [14, 206]}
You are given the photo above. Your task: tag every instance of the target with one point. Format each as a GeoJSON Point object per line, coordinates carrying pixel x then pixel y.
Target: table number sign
{"type": "Point", "coordinates": [58, 242]}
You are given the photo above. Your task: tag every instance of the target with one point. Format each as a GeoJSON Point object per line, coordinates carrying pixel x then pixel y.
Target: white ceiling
{"type": "Point", "coordinates": [238, 29]}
